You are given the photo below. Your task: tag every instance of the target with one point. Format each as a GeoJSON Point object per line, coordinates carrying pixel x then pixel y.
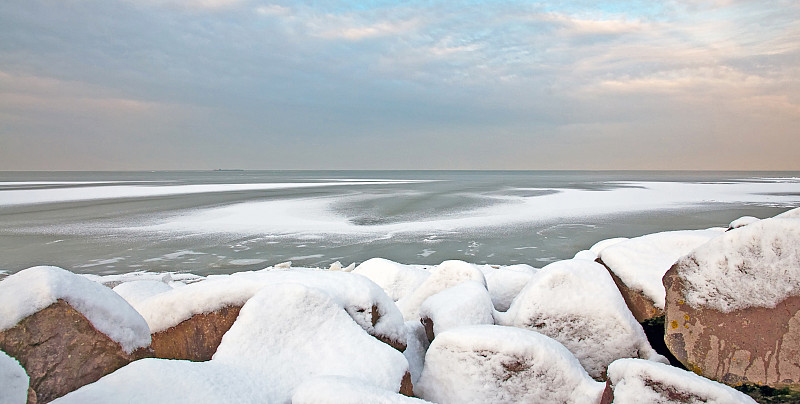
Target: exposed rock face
{"type": "Point", "coordinates": [61, 351]}
{"type": "Point", "coordinates": [197, 338]}
{"type": "Point", "coordinates": [753, 345]}
{"type": "Point", "coordinates": [642, 307]}
{"type": "Point", "coordinates": [375, 317]}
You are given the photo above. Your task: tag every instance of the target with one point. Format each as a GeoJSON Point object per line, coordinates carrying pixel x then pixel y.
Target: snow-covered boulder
{"type": "Point", "coordinates": [465, 304]}
{"type": "Point", "coordinates": [342, 390]}
{"type": "Point", "coordinates": [635, 381]}
{"type": "Point", "coordinates": [397, 280]}
{"type": "Point", "coordinates": [496, 364]}
{"type": "Point", "coordinates": [576, 303]}
{"type": "Point", "coordinates": [135, 292]}
{"type": "Point", "coordinates": [14, 381]}
{"type": "Point", "coordinates": [637, 266]}
{"type": "Point", "coordinates": [443, 276]}
{"type": "Point", "coordinates": [733, 305]}
{"type": "Point", "coordinates": [285, 335]}
{"type": "Point", "coordinates": [418, 344]}
{"type": "Point", "coordinates": [504, 283]}
{"type": "Point", "coordinates": [742, 221]}
{"type": "Point", "coordinates": [66, 330]}
{"type": "Point", "coordinates": [193, 318]}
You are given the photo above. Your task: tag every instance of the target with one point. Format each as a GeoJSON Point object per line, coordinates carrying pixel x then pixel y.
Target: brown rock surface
{"type": "Point", "coordinates": [640, 305]}
{"type": "Point", "coordinates": [406, 388]}
{"type": "Point", "coordinates": [375, 316]}
{"type": "Point", "coordinates": [197, 338]}
{"type": "Point", "coordinates": [753, 345]}
{"type": "Point", "coordinates": [61, 351]}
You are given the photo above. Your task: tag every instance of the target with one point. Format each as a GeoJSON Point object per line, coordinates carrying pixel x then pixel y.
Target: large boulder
{"type": "Point", "coordinates": [66, 330]}
{"type": "Point", "coordinates": [733, 306]}
{"type": "Point", "coordinates": [397, 280]}
{"type": "Point", "coordinates": [634, 381]}
{"type": "Point", "coordinates": [505, 282]}
{"type": "Point", "coordinates": [638, 264]}
{"type": "Point", "coordinates": [576, 303]}
{"type": "Point", "coordinates": [196, 338]}
{"type": "Point", "coordinates": [496, 364]}
{"type": "Point", "coordinates": [464, 304]}
{"type": "Point", "coordinates": [443, 276]}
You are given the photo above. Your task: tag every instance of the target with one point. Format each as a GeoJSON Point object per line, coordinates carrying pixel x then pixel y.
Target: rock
{"type": "Point", "coordinates": [194, 339]}
{"type": "Point", "coordinates": [576, 303]}
{"type": "Point", "coordinates": [397, 280]}
{"type": "Point", "coordinates": [465, 304]}
{"type": "Point", "coordinates": [504, 283]}
{"type": "Point", "coordinates": [733, 306]}
{"type": "Point", "coordinates": [443, 276]}
{"type": "Point", "coordinates": [634, 381]}
{"type": "Point", "coordinates": [61, 350]}
{"type": "Point", "coordinates": [638, 264]}
{"type": "Point", "coordinates": [496, 364]}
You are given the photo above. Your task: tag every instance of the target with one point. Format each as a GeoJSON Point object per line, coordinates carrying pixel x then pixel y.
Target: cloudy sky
{"type": "Point", "coordinates": [255, 84]}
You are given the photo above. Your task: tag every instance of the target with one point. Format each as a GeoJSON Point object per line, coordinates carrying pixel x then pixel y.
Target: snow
{"type": "Point", "coordinates": [465, 304]}
{"type": "Point", "coordinates": [417, 345]}
{"type": "Point", "coordinates": [495, 364]}
{"type": "Point", "coordinates": [586, 255]}
{"type": "Point", "coordinates": [14, 381]}
{"type": "Point", "coordinates": [342, 390]}
{"type": "Point", "coordinates": [577, 303]}
{"type": "Point", "coordinates": [443, 276]}
{"type": "Point", "coordinates": [15, 197]}
{"type": "Point", "coordinates": [291, 331]}
{"type": "Point", "coordinates": [790, 214]}
{"type": "Point", "coordinates": [641, 262]}
{"type": "Point", "coordinates": [33, 289]}
{"type": "Point", "coordinates": [757, 265]}
{"type": "Point", "coordinates": [603, 244]}
{"type": "Point", "coordinates": [742, 221]}
{"type": "Point", "coordinates": [505, 282]}
{"type": "Point", "coordinates": [173, 279]}
{"type": "Point", "coordinates": [639, 381]}
{"type": "Point", "coordinates": [136, 292]}
{"type": "Point", "coordinates": [397, 280]}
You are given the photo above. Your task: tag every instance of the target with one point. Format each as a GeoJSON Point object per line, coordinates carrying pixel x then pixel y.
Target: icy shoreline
{"type": "Point", "coordinates": [383, 331]}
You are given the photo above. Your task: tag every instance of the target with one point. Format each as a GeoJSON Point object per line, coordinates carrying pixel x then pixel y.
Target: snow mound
{"type": "Point", "coordinates": [14, 381]}
{"type": "Point", "coordinates": [397, 280]}
{"type": "Point", "coordinates": [443, 276]}
{"type": "Point", "coordinates": [586, 255]}
{"type": "Point", "coordinates": [355, 292]}
{"type": "Point", "coordinates": [641, 262]}
{"type": "Point", "coordinates": [289, 332]}
{"type": "Point", "coordinates": [136, 292]}
{"type": "Point", "coordinates": [33, 289]}
{"type": "Point", "coordinates": [342, 390]}
{"type": "Point", "coordinates": [577, 303]}
{"type": "Point", "coordinates": [742, 221]}
{"type": "Point", "coordinates": [495, 364]}
{"type": "Point", "coordinates": [753, 266]}
{"type": "Point", "coordinates": [465, 304]}
{"type": "Point", "coordinates": [639, 381]}
{"type": "Point", "coordinates": [163, 381]}
{"type": "Point", "coordinates": [505, 282]}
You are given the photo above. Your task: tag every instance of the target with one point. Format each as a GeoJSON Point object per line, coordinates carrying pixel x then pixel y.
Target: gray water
{"type": "Point", "coordinates": [228, 221]}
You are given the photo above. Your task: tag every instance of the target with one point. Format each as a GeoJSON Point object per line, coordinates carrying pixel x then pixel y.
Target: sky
{"type": "Point", "coordinates": [252, 84]}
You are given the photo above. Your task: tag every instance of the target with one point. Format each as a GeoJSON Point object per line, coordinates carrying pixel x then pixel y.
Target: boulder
{"type": "Point", "coordinates": [496, 364]}
{"type": "Point", "coordinates": [61, 350]}
{"type": "Point", "coordinates": [443, 276]}
{"type": "Point", "coordinates": [464, 304]}
{"type": "Point", "coordinates": [576, 303]}
{"type": "Point", "coordinates": [66, 330]}
{"type": "Point", "coordinates": [634, 381]}
{"type": "Point", "coordinates": [733, 306]}
{"type": "Point", "coordinates": [397, 280]}
{"type": "Point", "coordinates": [505, 282]}
{"type": "Point", "coordinates": [638, 264]}
{"type": "Point", "coordinates": [196, 338]}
